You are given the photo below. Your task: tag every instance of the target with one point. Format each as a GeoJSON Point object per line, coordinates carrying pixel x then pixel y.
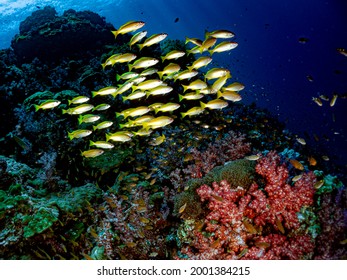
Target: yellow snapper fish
{"type": "Point", "coordinates": [48, 104]}
{"type": "Point", "coordinates": [317, 100]}
{"type": "Point", "coordinates": [127, 76]}
{"type": "Point", "coordinates": [155, 106]}
{"type": "Point", "coordinates": [134, 112]}
{"type": "Point", "coordinates": [134, 95]}
{"type": "Point", "coordinates": [80, 133]}
{"type": "Point", "coordinates": [194, 50]}
{"type": "Point", "coordinates": [92, 153]}
{"type": "Point", "coordinates": [137, 38]}
{"type": "Point", "coordinates": [214, 104]}
{"type": "Point", "coordinates": [148, 72]}
{"type": "Point", "coordinates": [190, 96]}
{"type": "Point", "coordinates": [102, 125]}
{"type": "Point", "coordinates": [157, 140]}
{"type": "Point", "coordinates": [147, 85]}
{"type": "Point", "coordinates": [78, 110]}
{"type": "Point", "coordinates": [168, 107]}
{"type": "Point", "coordinates": [229, 95]}
{"type": "Point", "coordinates": [143, 132]}
{"type": "Point", "coordinates": [142, 119]}
{"type": "Point", "coordinates": [169, 69]}
{"type": "Point", "coordinates": [195, 85]}
{"type": "Point", "coordinates": [216, 73]}
{"type": "Point", "coordinates": [123, 88]}
{"type": "Point", "coordinates": [221, 34]}
{"type": "Point", "coordinates": [333, 100]}
{"type": "Point", "coordinates": [137, 122]}
{"type": "Point", "coordinates": [186, 74]}
{"type": "Point", "coordinates": [101, 107]}
{"type": "Point", "coordinates": [159, 90]}
{"type": "Point", "coordinates": [172, 55]}
{"type": "Point", "coordinates": [158, 122]}
{"type": "Point", "coordinates": [118, 58]}
{"type": "Point", "coordinates": [223, 47]}
{"type": "Point", "coordinates": [118, 137]}
{"type": "Point", "coordinates": [105, 91]}
{"type": "Point", "coordinates": [143, 62]}
{"type": "Point", "coordinates": [218, 84]}
{"type": "Point", "coordinates": [208, 43]}
{"type": "Point", "coordinates": [193, 112]}
{"type": "Point", "coordinates": [101, 144]}
{"type": "Point", "coordinates": [78, 100]}
{"type": "Point", "coordinates": [89, 118]}
{"type": "Point", "coordinates": [154, 39]}
{"type": "Point", "coordinates": [194, 41]}
{"type": "Point", "coordinates": [130, 26]}
{"type": "Point", "coordinates": [236, 86]}
{"type": "Point", "coordinates": [200, 62]}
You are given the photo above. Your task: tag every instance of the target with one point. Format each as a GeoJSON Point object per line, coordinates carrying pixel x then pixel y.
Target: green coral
{"type": "Point", "coordinates": [76, 198]}
{"type": "Point", "coordinates": [238, 173]}
{"type": "Point", "coordinates": [330, 182]}
{"type": "Point", "coordinates": [43, 219]}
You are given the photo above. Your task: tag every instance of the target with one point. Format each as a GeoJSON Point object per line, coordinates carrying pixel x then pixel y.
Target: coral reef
{"type": "Point", "coordinates": [220, 185]}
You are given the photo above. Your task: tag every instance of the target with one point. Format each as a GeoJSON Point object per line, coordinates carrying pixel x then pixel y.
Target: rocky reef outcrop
{"type": "Point", "coordinates": [47, 36]}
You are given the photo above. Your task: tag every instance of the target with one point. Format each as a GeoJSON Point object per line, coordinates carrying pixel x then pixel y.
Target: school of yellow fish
{"type": "Point", "coordinates": [143, 81]}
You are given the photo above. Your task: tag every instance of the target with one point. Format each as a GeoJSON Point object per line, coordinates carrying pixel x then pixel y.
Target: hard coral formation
{"type": "Point", "coordinates": [64, 35]}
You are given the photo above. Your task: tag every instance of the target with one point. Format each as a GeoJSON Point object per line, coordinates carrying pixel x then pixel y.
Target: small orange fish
{"type": "Point", "coordinates": [144, 220]}
{"type": "Point", "coordinates": [296, 164]}
{"type": "Point", "coordinates": [263, 245]}
{"type": "Point", "coordinates": [216, 244]}
{"type": "Point", "coordinates": [182, 208]}
{"type": "Point", "coordinates": [249, 227]}
{"type": "Point", "coordinates": [312, 161]}
{"type": "Point", "coordinates": [280, 226]}
{"type": "Point", "coordinates": [130, 244]}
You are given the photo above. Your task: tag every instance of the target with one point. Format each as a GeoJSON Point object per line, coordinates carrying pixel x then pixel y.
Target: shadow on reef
{"type": "Point", "coordinates": [227, 184]}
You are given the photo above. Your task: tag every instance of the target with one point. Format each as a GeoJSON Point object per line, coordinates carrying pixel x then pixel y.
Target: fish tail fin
{"type": "Point", "coordinates": [180, 97]}
{"type": "Point", "coordinates": [64, 111]}
{"type": "Point", "coordinates": [94, 93]}
{"type": "Point", "coordinates": [190, 68]}
{"type": "Point", "coordinates": [70, 135]}
{"type": "Point", "coordinates": [118, 77]}
{"type": "Point", "coordinates": [211, 52]}
{"type": "Point", "coordinates": [202, 105]}
{"type": "Point", "coordinates": [94, 127]}
{"type": "Point", "coordinates": [183, 115]}
{"type": "Point", "coordinates": [91, 143]}
{"type": "Point", "coordinates": [219, 94]}
{"type": "Point", "coordinates": [160, 74]}
{"type": "Point", "coordinates": [140, 46]}
{"type": "Point", "coordinates": [80, 119]}
{"type": "Point", "coordinates": [184, 88]}
{"type": "Point", "coordinates": [107, 137]}
{"type": "Point", "coordinates": [187, 40]}
{"type": "Point", "coordinates": [130, 67]}
{"type": "Point", "coordinates": [37, 107]}
{"type": "Point", "coordinates": [207, 34]}
{"type": "Point", "coordinates": [115, 33]}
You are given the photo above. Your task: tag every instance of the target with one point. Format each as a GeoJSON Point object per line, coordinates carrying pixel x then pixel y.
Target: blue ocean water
{"type": "Point", "coordinates": [286, 54]}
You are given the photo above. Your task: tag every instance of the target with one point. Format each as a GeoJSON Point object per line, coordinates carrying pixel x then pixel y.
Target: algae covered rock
{"type": "Point", "coordinates": [47, 36]}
